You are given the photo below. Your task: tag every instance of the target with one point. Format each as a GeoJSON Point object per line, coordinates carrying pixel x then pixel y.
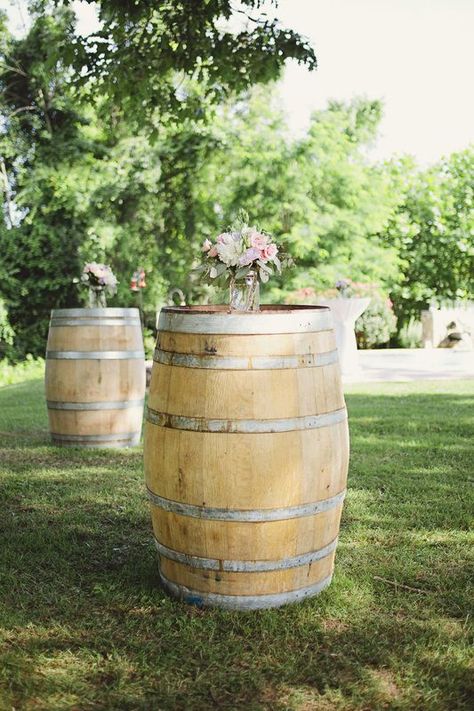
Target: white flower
{"type": "Point", "coordinates": [229, 249]}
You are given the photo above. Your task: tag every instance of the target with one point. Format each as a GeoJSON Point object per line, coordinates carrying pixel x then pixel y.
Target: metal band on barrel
{"type": "Point", "coordinates": [245, 515]}
{"type": "Point", "coordinates": [245, 566]}
{"type": "Point", "coordinates": [112, 312]}
{"type": "Point", "coordinates": [241, 602]}
{"type": "Point", "coordinates": [56, 322]}
{"type": "Point", "coordinates": [202, 424]}
{"type": "Point", "coordinates": [189, 360]}
{"type": "Point", "coordinates": [109, 405]}
{"type": "Point", "coordinates": [94, 355]}
{"type": "Point", "coordinates": [272, 322]}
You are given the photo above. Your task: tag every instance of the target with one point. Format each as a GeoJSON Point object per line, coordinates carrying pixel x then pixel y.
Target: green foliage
{"type": "Point", "coordinates": [318, 194]}
{"type": "Point", "coordinates": [25, 370]}
{"type": "Point", "coordinates": [82, 181]}
{"type": "Point", "coordinates": [410, 334]}
{"type": "Point", "coordinates": [48, 165]}
{"type": "Point", "coordinates": [433, 232]}
{"type": "Point", "coordinates": [7, 333]}
{"type": "Point", "coordinates": [182, 56]}
{"type": "Point", "coordinates": [378, 322]}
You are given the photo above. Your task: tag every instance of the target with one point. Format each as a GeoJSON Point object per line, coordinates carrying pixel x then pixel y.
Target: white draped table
{"type": "Point", "coordinates": [345, 313]}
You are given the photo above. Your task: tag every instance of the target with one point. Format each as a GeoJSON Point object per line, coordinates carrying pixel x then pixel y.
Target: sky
{"type": "Point", "coordinates": [417, 56]}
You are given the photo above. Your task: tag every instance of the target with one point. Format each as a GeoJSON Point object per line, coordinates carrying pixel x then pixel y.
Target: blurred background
{"type": "Point", "coordinates": [132, 131]}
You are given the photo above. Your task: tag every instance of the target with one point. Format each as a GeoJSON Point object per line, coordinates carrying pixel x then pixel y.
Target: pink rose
{"type": "Point", "coordinates": [269, 252]}
{"type": "Point", "coordinates": [206, 245]}
{"type": "Point", "coordinates": [223, 238]}
{"type": "Point", "coordinates": [212, 252]}
{"type": "Point", "coordinates": [258, 241]}
{"type": "Point", "coordinates": [248, 256]}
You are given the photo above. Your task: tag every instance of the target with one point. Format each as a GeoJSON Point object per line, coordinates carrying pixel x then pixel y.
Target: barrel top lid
{"type": "Point", "coordinates": [272, 318]}
{"type": "Point", "coordinates": [95, 313]}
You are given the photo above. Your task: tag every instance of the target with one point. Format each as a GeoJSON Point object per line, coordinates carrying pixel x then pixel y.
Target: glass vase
{"type": "Point", "coordinates": [245, 293]}
{"type": "Point", "coordinates": [96, 299]}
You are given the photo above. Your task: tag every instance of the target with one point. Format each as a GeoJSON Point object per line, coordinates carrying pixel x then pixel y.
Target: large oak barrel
{"type": "Point", "coordinates": [95, 377]}
{"type": "Point", "coordinates": [246, 454]}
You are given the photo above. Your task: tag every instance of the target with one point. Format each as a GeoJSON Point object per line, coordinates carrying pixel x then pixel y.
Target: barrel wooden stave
{"type": "Point", "coordinates": [229, 380]}
{"type": "Point", "coordinates": [91, 422]}
{"type": "Point", "coordinates": [285, 470]}
{"type": "Point", "coordinates": [296, 392]}
{"type": "Point", "coordinates": [95, 377]}
{"type": "Point", "coordinates": [242, 540]}
{"type": "Point", "coordinates": [242, 345]}
{"type": "Point", "coordinates": [108, 338]}
{"type": "Point", "coordinates": [95, 380]}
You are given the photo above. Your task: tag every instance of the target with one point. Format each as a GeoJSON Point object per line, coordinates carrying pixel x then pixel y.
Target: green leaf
{"type": "Point", "coordinates": [242, 272]}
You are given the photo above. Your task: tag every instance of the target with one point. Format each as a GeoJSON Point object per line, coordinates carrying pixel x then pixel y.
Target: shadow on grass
{"type": "Point", "coordinates": [87, 626]}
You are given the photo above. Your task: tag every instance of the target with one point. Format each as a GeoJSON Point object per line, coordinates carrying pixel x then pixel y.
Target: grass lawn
{"type": "Point", "coordinates": [85, 625]}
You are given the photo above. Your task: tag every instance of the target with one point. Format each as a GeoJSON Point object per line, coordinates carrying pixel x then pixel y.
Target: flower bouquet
{"type": "Point", "coordinates": [101, 281]}
{"type": "Point", "coordinates": [243, 257]}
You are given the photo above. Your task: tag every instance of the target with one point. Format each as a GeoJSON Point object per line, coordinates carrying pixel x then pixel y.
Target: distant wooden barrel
{"type": "Point", "coordinates": [95, 377]}
{"type": "Point", "coordinates": [246, 454]}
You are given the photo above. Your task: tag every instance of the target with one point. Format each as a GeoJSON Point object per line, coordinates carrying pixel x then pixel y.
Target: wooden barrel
{"type": "Point", "coordinates": [246, 454]}
{"type": "Point", "coordinates": [95, 377]}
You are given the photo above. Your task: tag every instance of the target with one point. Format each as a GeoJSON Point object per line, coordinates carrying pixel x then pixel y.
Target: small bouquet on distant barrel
{"type": "Point", "coordinates": [243, 256]}
{"type": "Point", "coordinates": [101, 282]}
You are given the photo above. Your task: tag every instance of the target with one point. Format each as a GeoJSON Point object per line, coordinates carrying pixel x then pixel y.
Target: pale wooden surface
{"type": "Point", "coordinates": [242, 540]}
{"type": "Point", "coordinates": [259, 470]}
{"type": "Point", "coordinates": [95, 381]}
{"type": "Point", "coordinates": [248, 394]}
{"type": "Point", "coordinates": [246, 471]}
{"type": "Point", "coordinates": [95, 338]}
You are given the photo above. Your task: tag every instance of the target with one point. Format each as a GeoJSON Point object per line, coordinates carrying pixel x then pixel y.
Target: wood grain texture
{"type": "Point", "coordinates": [95, 380]}
{"type": "Point", "coordinates": [100, 382]}
{"type": "Point", "coordinates": [236, 540]}
{"type": "Point", "coordinates": [259, 470]}
{"type": "Point", "coordinates": [262, 394]}
{"type": "Point", "coordinates": [246, 471]}
{"type": "Point", "coordinates": [90, 338]}
{"type": "Point", "coordinates": [268, 345]}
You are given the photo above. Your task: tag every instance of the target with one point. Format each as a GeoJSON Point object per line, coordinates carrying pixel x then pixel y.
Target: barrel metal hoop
{"type": "Point", "coordinates": [202, 424]}
{"type": "Point", "coordinates": [109, 312]}
{"type": "Point", "coordinates": [129, 436]}
{"type": "Point", "coordinates": [245, 515]}
{"type": "Point", "coordinates": [108, 405]}
{"type": "Point", "coordinates": [94, 355]}
{"type": "Point", "coordinates": [241, 602]}
{"type": "Point", "coordinates": [245, 566]}
{"type": "Point", "coordinates": [58, 322]}
{"type": "Point", "coordinates": [246, 323]}
{"type": "Point", "coordinates": [189, 360]}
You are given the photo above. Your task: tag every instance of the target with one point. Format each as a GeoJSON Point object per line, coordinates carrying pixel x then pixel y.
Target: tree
{"type": "Point", "coordinates": [47, 165]}
{"type": "Point", "coordinates": [433, 232]}
{"type": "Point", "coordinates": [319, 194]}
{"type": "Point", "coordinates": [181, 55]}
{"type": "Point", "coordinates": [82, 181]}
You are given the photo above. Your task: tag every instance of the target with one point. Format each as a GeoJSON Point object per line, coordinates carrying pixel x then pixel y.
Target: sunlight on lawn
{"type": "Point", "coordinates": [85, 623]}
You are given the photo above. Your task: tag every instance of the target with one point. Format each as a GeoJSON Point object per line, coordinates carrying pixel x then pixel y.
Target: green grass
{"type": "Point", "coordinates": [28, 369]}
{"type": "Point", "coordinates": [85, 625]}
